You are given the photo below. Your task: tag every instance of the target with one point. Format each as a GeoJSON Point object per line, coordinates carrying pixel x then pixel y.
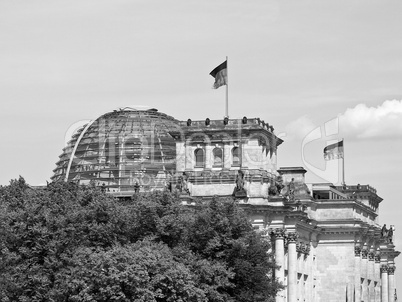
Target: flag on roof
{"type": "Point", "coordinates": [334, 151]}
{"type": "Point", "coordinates": [220, 74]}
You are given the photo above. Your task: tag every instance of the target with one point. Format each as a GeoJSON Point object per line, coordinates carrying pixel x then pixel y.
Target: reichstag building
{"type": "Point", "coordinates": [326, 239]}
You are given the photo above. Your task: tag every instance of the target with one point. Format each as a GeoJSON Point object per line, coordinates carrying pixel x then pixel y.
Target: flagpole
{"type": "Point", "coordinates": [343, 164]}
{"type": "Point", "coordinates": [227, 90]}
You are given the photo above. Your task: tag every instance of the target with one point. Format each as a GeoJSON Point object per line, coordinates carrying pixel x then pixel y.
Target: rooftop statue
{"type": "Point", "coordinates": [291, 190]}
{"type": "Point", "coordinates": [387, 233]}
{"type": "Point", "coordinates": [136, 187]}
{"type": "Point", "coordinates": [390, 234]}
{"type": "Point", "coordinates": [384, 231]}
{"type": "Point", "coordinates": [182, 184]}
{"type": "Point", "coordinates": [239, 190]}
{"type": "Point", "coordinates": [276, 187]}
{"type": "Point", "coordinates": [273, 190]}
{"type": "Point", "coordinates": [168, 181]}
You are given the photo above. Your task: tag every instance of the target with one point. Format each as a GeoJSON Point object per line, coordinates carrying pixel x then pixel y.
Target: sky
{"type": "Point", "coordinates": [318, 71]}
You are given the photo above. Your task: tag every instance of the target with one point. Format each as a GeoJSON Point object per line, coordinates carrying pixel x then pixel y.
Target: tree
{"type": "Point", "coordinates": [222, 231]}
{"type": "Point", "coordinates": [75, 243]}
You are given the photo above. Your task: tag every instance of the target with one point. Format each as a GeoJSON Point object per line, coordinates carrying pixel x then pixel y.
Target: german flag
{"type": "Point", "coordinates": [334, 151]}
{"type": "Point", "coordinates": [220, 74]}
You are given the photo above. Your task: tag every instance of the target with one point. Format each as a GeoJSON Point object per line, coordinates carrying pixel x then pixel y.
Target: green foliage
{"type": "Point", "coordinates": [141, 271]}
{"type": "Point", "coordinates": [74, 243]}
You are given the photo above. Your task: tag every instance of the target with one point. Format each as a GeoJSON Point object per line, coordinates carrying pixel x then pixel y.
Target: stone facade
{"type": "Point", "coordinates": [326, 239]}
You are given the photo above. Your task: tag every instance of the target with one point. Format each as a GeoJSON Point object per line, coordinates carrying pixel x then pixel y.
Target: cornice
{"type": "Point", "coordinates": [349, 222]}
{"type": "Point", "coordinates": [267, 208]}
{"type": "Point", "coordinates": [352, 226]}
{"type": "Point", "coordinates": [324, 203]}
{"type": "Point", "coordinates": [220, 133]}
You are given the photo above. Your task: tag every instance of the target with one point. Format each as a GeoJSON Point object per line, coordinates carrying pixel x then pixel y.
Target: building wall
{"type": "Point", "coordinates": [334, 271]}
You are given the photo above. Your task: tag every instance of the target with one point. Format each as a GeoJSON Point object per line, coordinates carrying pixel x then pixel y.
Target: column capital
{"type": "Point", "coordinates": [364, 253]}
{"type": "Point", "coordinates": [292, 237]}
{"type": "Point", "coordinates": [358, 250]}
{"type": "Point", "coordinates": [299, 247]}
{"type": "Point", "coordinates": [277, 233]}
{"type": "Point", "coordinates": [384, 268]}
{"type": "Point", "coordinates": [391, 270]}
{"type": "Point", "coordinates": [303, 248]}
{"type": "Point", "coordinates": [377, 258]}
{"type": "Point", "coordinates": [371, 256]}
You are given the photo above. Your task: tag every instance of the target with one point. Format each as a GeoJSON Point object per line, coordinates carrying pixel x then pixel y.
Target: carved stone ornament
{"type": "Point", "coordinates": [357, 251]}
{"type": "Point", "coordinates": [302, 248]}
{"type": "Point", "coordinates": [277, 233]}
{"type": "Point", "coordinates": [364, 253]}
{"type": "Point", "coordinates": [384, 268]}
{"type": "Point", "coordinates": [273, 190]}
{"type": "Point", "coordinates": [391, 270]}
{"type": "Point", "coordinates": [292, 237]}
{"type": "Point", "coordinates": [276, 186]}
{"type": "Point", "coordinates": [377, 258]}
{"type": "Point", "coordinates": [308, 249]}
{"type": "Point", "coordinates": [371, 256]}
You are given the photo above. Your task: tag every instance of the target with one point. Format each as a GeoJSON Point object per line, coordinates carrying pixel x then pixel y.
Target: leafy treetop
{"type": "Point", "coordinates": [75, 243]}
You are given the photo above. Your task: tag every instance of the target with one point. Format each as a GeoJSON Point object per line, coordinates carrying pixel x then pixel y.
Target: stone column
{"type": "Point", "coordinates": [309, 289]}
{"type": "Point", "coordinates": [377, 277]}
{"type": "Point", "coordinates": [278, 235]}
{"type": "Point", "coordinates": [188, 157]}
{"type": "Point", "coordinates": [357, 273]}
{"type": "Point", "coordinates": [227, 154]}
{"type": "Point", "coordinates": [391, 283]}
{"type": "Point", "coordinates": [370, 274]}
{"type": "Point", "coordinates": [384, 283]}
{"type": "Point", "coordinates": [292, 267]}
{"type": "Point", "coordinates": [180, 156]}
{"type": "Point", "coordinates": [208, 156]}
{"type": "Point", "coordinates": [363, 271]}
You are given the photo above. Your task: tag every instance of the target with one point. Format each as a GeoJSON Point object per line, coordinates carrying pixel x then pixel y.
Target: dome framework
{"type": "Point", "coordinates": [120, 150]}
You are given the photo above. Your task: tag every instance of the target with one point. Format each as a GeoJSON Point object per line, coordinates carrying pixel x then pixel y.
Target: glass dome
{"type": "Point", "coordinates": [121, 150]}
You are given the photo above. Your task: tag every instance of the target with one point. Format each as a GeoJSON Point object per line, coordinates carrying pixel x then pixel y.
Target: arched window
{"type": "Point", "coordinates": [236, 156]}
{"type": "Point", "coordinates": [218, 157]}
{"type": "Point", "coordinates": [199, 157]}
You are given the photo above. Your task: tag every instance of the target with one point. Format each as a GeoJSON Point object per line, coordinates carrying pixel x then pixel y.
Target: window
{"type": "Point", "coordinates": [199, 157]}
{"type": "Point", "coordinates": [236, 156]}
{"type": "Point", "coordinates": [133, 149]}
{"type": "Point", "coordinates": [218, 157]}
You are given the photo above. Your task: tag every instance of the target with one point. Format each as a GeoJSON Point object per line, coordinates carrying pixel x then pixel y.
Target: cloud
{"type": "Point", "coordinates": [298, 129]}
{"type": "Point", "coordinates": [361, 122]}
{"type": "Point", "coordinates": [383, 121]}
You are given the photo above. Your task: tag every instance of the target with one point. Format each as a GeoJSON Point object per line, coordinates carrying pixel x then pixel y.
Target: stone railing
{"type": "Point", "coordinates": [356, 188]}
